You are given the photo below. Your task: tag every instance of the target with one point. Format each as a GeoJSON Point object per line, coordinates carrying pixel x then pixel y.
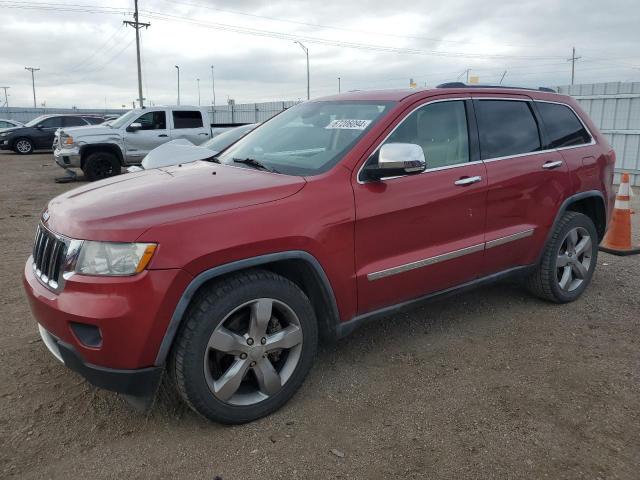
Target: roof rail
{"type": "Point", "coordinates": [464, 85]}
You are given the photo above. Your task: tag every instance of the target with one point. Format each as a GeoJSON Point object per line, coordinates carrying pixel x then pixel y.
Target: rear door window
{"type": "Point", "coordinates": [74, 122]}
{"type": "Point", "coordinates": [94, 120]}
{"type": "Point", "coordinates": [52, 122]}
{"type": "Point", "coordinates": [562, 126]}
{"type": "Point", "coordinates": [187, 119]}
{"type": "Point", "coordinates": [506, 128]}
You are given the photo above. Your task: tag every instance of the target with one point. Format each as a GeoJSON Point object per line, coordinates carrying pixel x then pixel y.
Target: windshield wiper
{"type": "Point", "coordinates": [254, 163]}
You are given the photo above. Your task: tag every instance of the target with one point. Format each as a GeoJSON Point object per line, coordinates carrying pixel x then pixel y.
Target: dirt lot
{"type": "Point", "coordinates": [490, 384]}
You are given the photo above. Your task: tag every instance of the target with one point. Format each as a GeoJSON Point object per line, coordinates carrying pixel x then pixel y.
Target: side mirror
{"type": "Point", "coordinates": [39, 127]}
{"type": "Point", "coordinates": [395, 159]}
{"type": "Point", "coordinates": [134, 127]}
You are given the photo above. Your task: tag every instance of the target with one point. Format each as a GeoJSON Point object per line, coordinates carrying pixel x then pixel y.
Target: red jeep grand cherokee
{"type": "Point", "coordinates": [225, 273]}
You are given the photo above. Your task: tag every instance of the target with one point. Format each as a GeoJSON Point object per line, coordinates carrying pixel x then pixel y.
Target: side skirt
{"type": "Point", "coordinates": [345, 328]}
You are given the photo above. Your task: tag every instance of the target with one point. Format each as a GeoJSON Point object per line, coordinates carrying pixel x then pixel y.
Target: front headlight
{"type": "Point", "coordinates": [3, 134]}
{"type": "Point", "coordinates": [110, 258]}
{"type": "Point", "coordinates": [65, 139]}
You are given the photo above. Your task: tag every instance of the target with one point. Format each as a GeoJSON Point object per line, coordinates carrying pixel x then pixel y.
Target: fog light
{"type": "Point", "coordinates": [88, 335]}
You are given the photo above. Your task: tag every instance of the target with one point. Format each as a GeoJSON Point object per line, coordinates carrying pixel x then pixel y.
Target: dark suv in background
{"type": "Point", "coordinates": [39, 132]}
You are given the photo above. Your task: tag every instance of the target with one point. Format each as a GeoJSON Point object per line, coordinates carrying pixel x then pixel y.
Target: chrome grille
{"type": "Point", "coordinates": [49, 251]}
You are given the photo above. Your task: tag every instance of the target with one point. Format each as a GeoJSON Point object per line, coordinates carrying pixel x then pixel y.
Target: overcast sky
{"type": "Point", "coordinates": [87, 57]}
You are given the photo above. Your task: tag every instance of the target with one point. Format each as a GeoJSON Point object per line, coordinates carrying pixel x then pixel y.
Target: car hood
{"type": "Point", "coordinates": [11, 130]}
{"type": "Point", "coordinates": [90, 130]}
{"type": "Point", "coordinates": [121, 208]}
{"type": "Point", "coordinates": [175, 152]}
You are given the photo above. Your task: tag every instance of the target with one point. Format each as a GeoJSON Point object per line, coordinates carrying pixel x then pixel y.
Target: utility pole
{"type": "Point", "coordinates": [138, 25]}
{"type": "Point", "coordinates": [338, 84]}
{"type": "Point", "coordinates": [573, 63]}
{"type": "Point", "coordinates": [6, 97]}
{"type": "Point", "coordinates": [178, 69]}
{"type": "Point", "coordinates": [213, 87]}
{"type": "Point", "coordinates": [306, 51]}
{"type": "Point", "coordinates": [33, 83]}
{"type": "Point", "coordinates": [198, 80]}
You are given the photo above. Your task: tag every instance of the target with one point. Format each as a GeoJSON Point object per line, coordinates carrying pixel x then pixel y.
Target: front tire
{"type": "Point", "coordinates": [568, 261]}
{"type": "Point", "coordinates": [100, 165]}
{"type": "Point", "coordinates": [23, 146]}
{"type": "Point", "coordinates": [245, 347]}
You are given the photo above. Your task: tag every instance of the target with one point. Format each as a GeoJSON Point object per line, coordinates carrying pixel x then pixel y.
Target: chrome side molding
{"type": "Point", "coordinates": [449, 255]}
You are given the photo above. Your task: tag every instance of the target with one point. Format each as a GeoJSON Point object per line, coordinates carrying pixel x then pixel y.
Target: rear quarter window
{"type": "Point", "coordinates": [94, 120]}
{"type": "Point", "coordinates": [562, 126]}
{"type": "Point", "coordinates": [506, 127]}
{"type": "Point", "coordinates": [74, 122]}
{"type": "Point", "coordinates": [187, 119]}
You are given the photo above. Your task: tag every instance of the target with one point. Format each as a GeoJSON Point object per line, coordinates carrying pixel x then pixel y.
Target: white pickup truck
{"type": "Point", "coordinates": [101, 150]}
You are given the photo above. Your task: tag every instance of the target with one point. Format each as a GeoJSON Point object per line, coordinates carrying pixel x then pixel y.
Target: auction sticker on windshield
{"type": "Point", "coordinates": [347, 124]}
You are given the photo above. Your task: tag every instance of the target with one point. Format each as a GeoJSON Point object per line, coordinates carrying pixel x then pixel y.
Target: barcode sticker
{"type": "Point", "coordinates": [348, 124]}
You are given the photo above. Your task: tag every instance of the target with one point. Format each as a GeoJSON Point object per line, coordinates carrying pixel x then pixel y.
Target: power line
{"type": "Point", "coordinates": [329, 42]}
{"type": "Point", "coordinates": [328, 27]}
{"type": "Point", "coordinates": [93, 55]}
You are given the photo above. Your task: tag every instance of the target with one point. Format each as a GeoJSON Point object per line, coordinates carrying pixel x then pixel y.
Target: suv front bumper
{"type": "Point", "coordinates": [131, 315]}
{"type": "Point", "coordinates": [141, 382]}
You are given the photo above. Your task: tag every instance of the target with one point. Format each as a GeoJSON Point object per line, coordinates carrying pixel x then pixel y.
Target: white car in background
{"type": "Point", "coordinates": [183, 151]}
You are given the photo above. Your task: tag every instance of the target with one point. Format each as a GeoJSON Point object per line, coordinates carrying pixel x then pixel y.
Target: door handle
{"type": "Point", "coordinates": [467, 181]}
{"type": "Point", "coordinates": [550, 165]}
{"type": "Point", "coordinates": [163, 135]}
{"type": "Point", "coordinates": [205, 134]}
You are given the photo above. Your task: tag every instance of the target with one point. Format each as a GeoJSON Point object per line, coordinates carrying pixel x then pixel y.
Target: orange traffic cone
{"type": "Point", "coordinates": [618, 238]}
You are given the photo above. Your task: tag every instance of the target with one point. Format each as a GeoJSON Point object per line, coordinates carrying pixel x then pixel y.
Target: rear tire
{"type": "Point", "coordinates": [226, 363]}
{"type": "Point", "coordinates": [568, 261]}
{"type": "Point", "coordinates": [100, 165]}
{"type": "Point", "coordinates": [23, 146]}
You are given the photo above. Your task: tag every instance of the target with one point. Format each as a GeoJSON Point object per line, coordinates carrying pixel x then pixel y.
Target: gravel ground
{"type": "Point", "coordinates": [489, 384]}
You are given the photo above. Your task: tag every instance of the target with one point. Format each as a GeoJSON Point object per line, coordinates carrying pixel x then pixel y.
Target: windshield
{"type": "Point", "coordinates": [307, 139]}
{"type": "Point", "coordinates": [35, 121]}
{"type": "Point", "coordinates": [222, 141]}
{"type": "Point", "coordinates": [130, 116]}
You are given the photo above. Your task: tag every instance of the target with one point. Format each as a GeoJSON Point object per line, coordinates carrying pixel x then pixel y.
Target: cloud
{"type": "Point", "coordinates": [88, 59]}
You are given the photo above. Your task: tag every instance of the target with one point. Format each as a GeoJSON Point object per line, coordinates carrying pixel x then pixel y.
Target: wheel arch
{"type": "Point", "coordinates": [589, 203]}
{"type": "Point", "coordinates": [592, 205]}
{"type": "Point", "coordinates": [88, 149]}
{"type": "Point", "coordinates": [298, 266]}
{"type": "Point", "coordinates": [20, 137]}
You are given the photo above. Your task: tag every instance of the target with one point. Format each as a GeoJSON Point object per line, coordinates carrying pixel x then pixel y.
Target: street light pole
{"type": "Point", "coordinates": [306, 51]}
{"type": "Point", "coordinates": [213, 87]}
{"type": "Point", "coordinates": [33, 83]}
{"type": "Point", "coordinates": [338, 84]}
{"type": "Point", "coordinates": [198, 80]}
{"type": "Point", "coordinates": [178, 69]}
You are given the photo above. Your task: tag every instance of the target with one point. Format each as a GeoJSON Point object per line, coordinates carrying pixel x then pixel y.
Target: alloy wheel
{"type": "Point", "coordinates": [23, 146]}
{"type": "Point", "coordinates": [574, 259]}
{"type": "Point", "coordinates": [253, 352]}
